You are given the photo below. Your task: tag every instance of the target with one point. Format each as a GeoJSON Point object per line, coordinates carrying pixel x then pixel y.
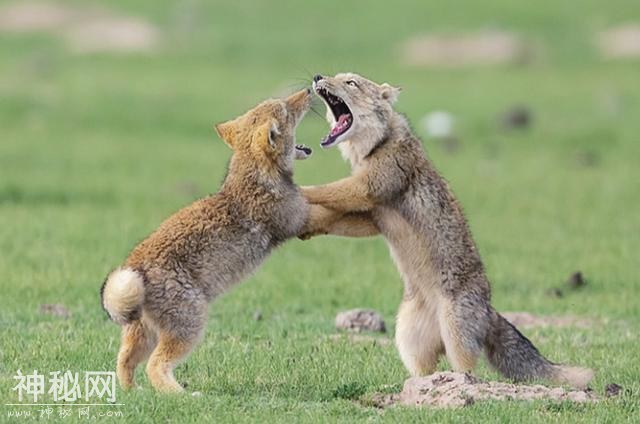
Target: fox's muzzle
{"type": "Point", "coordinates": [298, 103]}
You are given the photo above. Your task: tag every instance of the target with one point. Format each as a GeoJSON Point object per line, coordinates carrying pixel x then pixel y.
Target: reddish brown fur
{"type": "Point", "coordinates": [161, 293]}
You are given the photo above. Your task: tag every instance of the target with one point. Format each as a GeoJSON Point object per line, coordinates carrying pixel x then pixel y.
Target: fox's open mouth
{"type": "Point", "coordinates": [302, 151]}
{"type": "Point", "coordinates": [341, 113]}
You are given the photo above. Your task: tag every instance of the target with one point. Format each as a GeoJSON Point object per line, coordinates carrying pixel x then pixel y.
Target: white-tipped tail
{"type": "Point", "coordinates": [122, 295]}
{"type": "Point", "coordinates": [574, 376]}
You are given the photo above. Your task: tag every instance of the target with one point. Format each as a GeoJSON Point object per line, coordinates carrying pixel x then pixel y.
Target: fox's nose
{"type": "Point", "coordinates": [317, 78]}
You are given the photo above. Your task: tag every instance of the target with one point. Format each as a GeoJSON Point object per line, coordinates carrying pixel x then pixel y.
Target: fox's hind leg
{"type": "Point", "coordinates": [169, 352]}
{"type": "Point", "coordinates": [179, 312]}
{"type": "Point", "coordinates": [138, 340]}
{"type": "Point", "coordinates": [418, 336]}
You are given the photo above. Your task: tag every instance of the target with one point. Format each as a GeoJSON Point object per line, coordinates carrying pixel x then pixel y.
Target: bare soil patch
{"type": "Point", "coordinates": [455, 390]}
{"type": "Point", "coordinates": [84, 29]}
{"type": "Point", "coordinates": [456, 50]}
{"type": "Point", "coordinates": [33, 16]}
{"type": "Point", "coordinates": [121, 34]}
{"type": "Point", "coordinates": [620, 42]}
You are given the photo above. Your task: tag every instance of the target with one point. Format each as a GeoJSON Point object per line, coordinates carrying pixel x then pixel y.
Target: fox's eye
{"type": "Point", "coordinates": [352, 83]}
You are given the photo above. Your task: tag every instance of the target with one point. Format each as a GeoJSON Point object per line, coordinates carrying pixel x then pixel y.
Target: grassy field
{"type": "Point", "coordinates": [96, 150]}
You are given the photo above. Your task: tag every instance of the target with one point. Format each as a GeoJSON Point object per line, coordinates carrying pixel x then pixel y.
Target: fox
{"type": "Point", "coordinates": [160, 294]}
{"type": "Point", "coordinates": [394, 190]}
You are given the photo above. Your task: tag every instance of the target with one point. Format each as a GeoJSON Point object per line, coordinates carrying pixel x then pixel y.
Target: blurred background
{"type": "Point", "coordinates": [529, 109]}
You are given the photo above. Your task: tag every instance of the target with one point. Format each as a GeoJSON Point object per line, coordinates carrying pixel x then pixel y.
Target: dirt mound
{"type": "Point", "coordinates": [527, 320]}
{"type": "Point", "coordinates": [454, 390]}
{"type": "Point", "coordinates": [620, 42]}
{"type": "Point", "coordinates": [84, 29]}
{"type": "Point", "coordinates": [454, 50]}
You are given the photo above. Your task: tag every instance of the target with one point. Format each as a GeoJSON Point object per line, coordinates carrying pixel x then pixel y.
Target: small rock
{"type": "Point", "coordinates": [358, 320]}
{"type": "Point", "coordinates": [612, 389]}
{"type": "Point", "coordinates": [516, 117]}
{"type": "Point", "coordinates": [438, 124]}
{"type": "Point", "coordinates": [55, 309]}
{"type": "Point", "coordinates": [576, 280]}
{"type": "Point", "coordinates": [257, 315]}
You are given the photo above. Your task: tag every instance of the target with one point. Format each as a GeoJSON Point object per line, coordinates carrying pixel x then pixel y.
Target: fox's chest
{"type": "Point", "coordinates": [409, 248]}
{"type": "Point", "coordinates": [287, 219]}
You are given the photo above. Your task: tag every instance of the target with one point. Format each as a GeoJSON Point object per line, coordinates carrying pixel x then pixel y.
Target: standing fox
{"type": "Point", "coordinates": [161, 292]}
{"type": "Point", "coordinates": [396, 191]}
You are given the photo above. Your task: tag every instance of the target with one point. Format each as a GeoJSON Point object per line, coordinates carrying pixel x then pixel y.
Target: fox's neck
{"type": "Point", "coordinates": [358, 147]}
{"type": "Point", "coordinates": [250, 182]}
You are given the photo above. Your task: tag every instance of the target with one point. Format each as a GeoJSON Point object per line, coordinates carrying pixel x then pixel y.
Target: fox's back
{"type": "Point", "coordinates": [208, 245]}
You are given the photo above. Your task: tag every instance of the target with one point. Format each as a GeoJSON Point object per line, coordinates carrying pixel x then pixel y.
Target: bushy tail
{"type": "Point", "coordinates": [517, 358]}
{"type": "Point", "coordinates": [122, 295]}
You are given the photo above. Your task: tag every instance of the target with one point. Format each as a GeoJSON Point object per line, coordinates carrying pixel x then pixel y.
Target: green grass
{"type": "Point", "coordinates": [95, 151]}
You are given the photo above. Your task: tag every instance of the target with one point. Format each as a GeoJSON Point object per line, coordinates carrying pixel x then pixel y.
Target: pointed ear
{"type": "Point", "coordinates": [390, 92]}
{"type": "Point", "coordinates": [227, 132]}
{"type": "Point", "coordinates": [265, 135]}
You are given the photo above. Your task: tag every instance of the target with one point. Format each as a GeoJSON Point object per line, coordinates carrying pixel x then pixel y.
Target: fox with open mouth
{"type": "Point", "coordinates": [395, 190]}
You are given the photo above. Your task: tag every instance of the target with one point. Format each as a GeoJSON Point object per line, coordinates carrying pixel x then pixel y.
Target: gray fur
{"type": "Point", "coordinates": [447, 294]}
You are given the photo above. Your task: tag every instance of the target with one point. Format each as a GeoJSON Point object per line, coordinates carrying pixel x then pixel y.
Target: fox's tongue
{"type": "Point", "coordinates": [340, 125]}
{"type": "Point", "coordinates": [343, 124]}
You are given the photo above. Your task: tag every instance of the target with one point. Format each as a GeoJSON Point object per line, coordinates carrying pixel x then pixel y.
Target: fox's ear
{"type": "Point", "coordinates": [227, 132]}
{"type": "Point", "coordinates": [390, 92]}
{"type": "Point", "coordinates": [265, 135]}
